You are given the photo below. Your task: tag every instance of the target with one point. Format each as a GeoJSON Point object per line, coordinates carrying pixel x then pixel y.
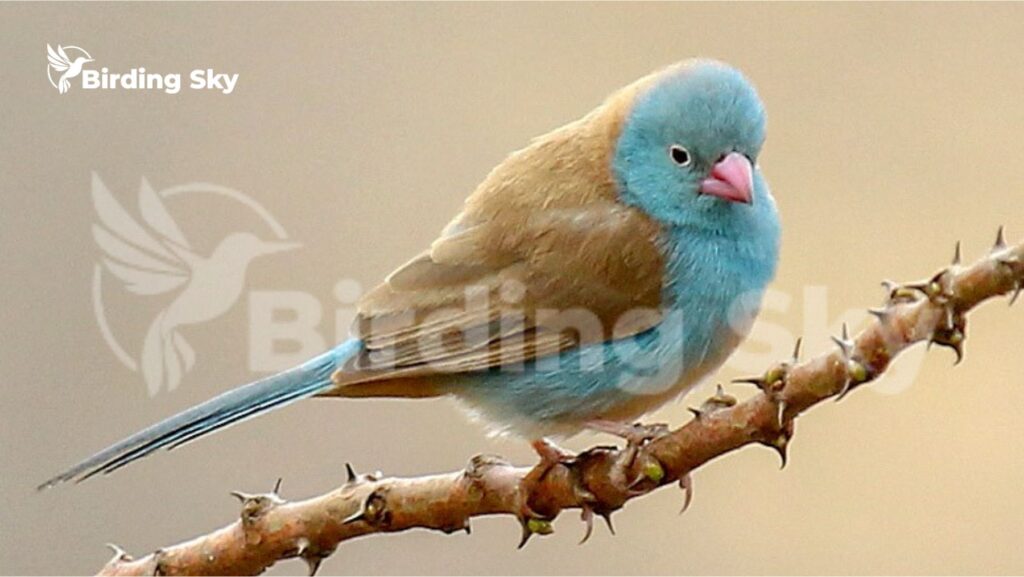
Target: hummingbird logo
{"type": "Point", "coordinates": [63, 66]}
{"type": "Point", "coordinates": [151, 256]}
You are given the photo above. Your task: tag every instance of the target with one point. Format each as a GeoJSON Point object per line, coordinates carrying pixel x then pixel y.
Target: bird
{"type": "Point", "coordinates": [154, 257]}
{"type": "Point", "coordinates": [60, 62]}
{"type": "Point", "coordinates": [603, 270]}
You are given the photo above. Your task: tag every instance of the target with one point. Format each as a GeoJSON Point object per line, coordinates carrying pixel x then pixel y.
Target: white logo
{"type": "Point", "coordinates": [65, 66]}
{"type": "Point", "coordinates": [67, 63]}
{"type": "Point", "coordinates": [152, 256]}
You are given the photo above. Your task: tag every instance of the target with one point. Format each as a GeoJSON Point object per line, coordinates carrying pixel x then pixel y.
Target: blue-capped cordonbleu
{"type": "Point", "coordinates": [599, 272]}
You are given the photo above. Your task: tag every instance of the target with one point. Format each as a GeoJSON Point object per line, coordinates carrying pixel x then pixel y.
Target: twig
{"type": "Point", "coordinates": [271, 528]}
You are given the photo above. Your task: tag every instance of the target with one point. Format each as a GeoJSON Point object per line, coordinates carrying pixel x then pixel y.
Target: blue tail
{"type": "Point", "coordinates": [231, 407]}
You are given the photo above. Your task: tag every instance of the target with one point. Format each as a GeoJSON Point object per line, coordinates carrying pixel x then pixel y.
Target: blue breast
{"type": "Point", "coordinates": [713, 279]}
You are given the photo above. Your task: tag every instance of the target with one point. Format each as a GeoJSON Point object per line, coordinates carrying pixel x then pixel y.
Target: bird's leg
{"type": "Point", "coordinates": [636, 436]}
{"type": "Point", "coordinates": [550, 455]}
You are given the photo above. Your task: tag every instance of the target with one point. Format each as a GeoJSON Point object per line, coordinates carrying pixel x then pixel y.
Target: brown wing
{"type": "Point", "coordinates": [521, 285]}
{"type": "Point", "coordinates": [543, 258]}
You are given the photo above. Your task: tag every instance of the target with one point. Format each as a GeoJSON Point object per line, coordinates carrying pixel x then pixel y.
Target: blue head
{"type": "Point", "coordinates": [687, 153]}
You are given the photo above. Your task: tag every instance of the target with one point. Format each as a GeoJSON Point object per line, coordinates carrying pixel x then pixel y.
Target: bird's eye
{"type": "Point", "coordinates": [680, 155]}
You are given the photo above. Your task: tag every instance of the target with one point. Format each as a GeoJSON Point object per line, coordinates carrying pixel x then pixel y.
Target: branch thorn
{"type": "Point", "coordinates": [120, 555]}
{"type": "Point", "coordinates": [607, 516]}
{"type": "Point", "coordinates": [882, 314]}
{"type": "Point", "coordinates": [313, 563]}
{"type": "Point", "coordinates": [587, 516]}
{"type": "Point", "coordinates": [843, 342]}
{"type": "Point", "coordinates": [780, 445]}
{"type": "Point", "coordinates": [686, 484]}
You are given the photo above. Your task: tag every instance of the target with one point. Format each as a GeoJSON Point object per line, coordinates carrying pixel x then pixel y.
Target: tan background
{"type": "Point", "coordinates": [894, 131]}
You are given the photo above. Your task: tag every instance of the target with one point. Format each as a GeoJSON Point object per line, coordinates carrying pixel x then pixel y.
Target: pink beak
{"type": "Point", "coordinates": [732, 179]}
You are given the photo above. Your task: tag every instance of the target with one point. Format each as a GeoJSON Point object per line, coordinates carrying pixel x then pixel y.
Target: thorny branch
{"type": "Point", "coordinates": [271, 528]}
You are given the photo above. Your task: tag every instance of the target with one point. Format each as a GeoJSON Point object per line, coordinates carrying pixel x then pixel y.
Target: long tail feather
{"type": "Point", "coordinates": [229, 408]}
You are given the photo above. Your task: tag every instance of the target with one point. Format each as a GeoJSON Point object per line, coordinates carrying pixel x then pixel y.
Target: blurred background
{"type": "Point", "coordinates": [894, 131]}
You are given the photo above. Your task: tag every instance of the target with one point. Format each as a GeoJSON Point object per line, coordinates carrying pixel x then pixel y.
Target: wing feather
{"type": "Point", "coordinates": [542, 243]}
{"type": "Point", "coordinates": [452, 313]}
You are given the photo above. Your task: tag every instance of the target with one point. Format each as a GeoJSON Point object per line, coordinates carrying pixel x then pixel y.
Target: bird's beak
{"type": "Point", "coordinates": [731, 179]}
{"type": "Point", "coordinates": [272, 247]}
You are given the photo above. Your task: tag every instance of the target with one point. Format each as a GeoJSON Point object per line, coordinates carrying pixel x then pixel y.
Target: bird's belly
{"type": "Point", "coordinates": [620, 381]}
{"type": "Point", "coordinates": [715, 296]}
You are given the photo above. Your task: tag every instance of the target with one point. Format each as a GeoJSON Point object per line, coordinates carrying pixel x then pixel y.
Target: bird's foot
{"type": "Point", "coordinates": [551, 455]}
{"type": "Point", "coordinates": [629, 473]}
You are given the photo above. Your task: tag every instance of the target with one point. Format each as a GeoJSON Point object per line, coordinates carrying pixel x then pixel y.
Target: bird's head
{"type": "Point", "coordinates": [82, 60]}
{"type": "Point", "coordinates": [688, 148]}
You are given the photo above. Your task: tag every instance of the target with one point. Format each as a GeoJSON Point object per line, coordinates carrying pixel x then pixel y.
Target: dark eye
{"type": "Point", "coordinates": [679, 155]}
